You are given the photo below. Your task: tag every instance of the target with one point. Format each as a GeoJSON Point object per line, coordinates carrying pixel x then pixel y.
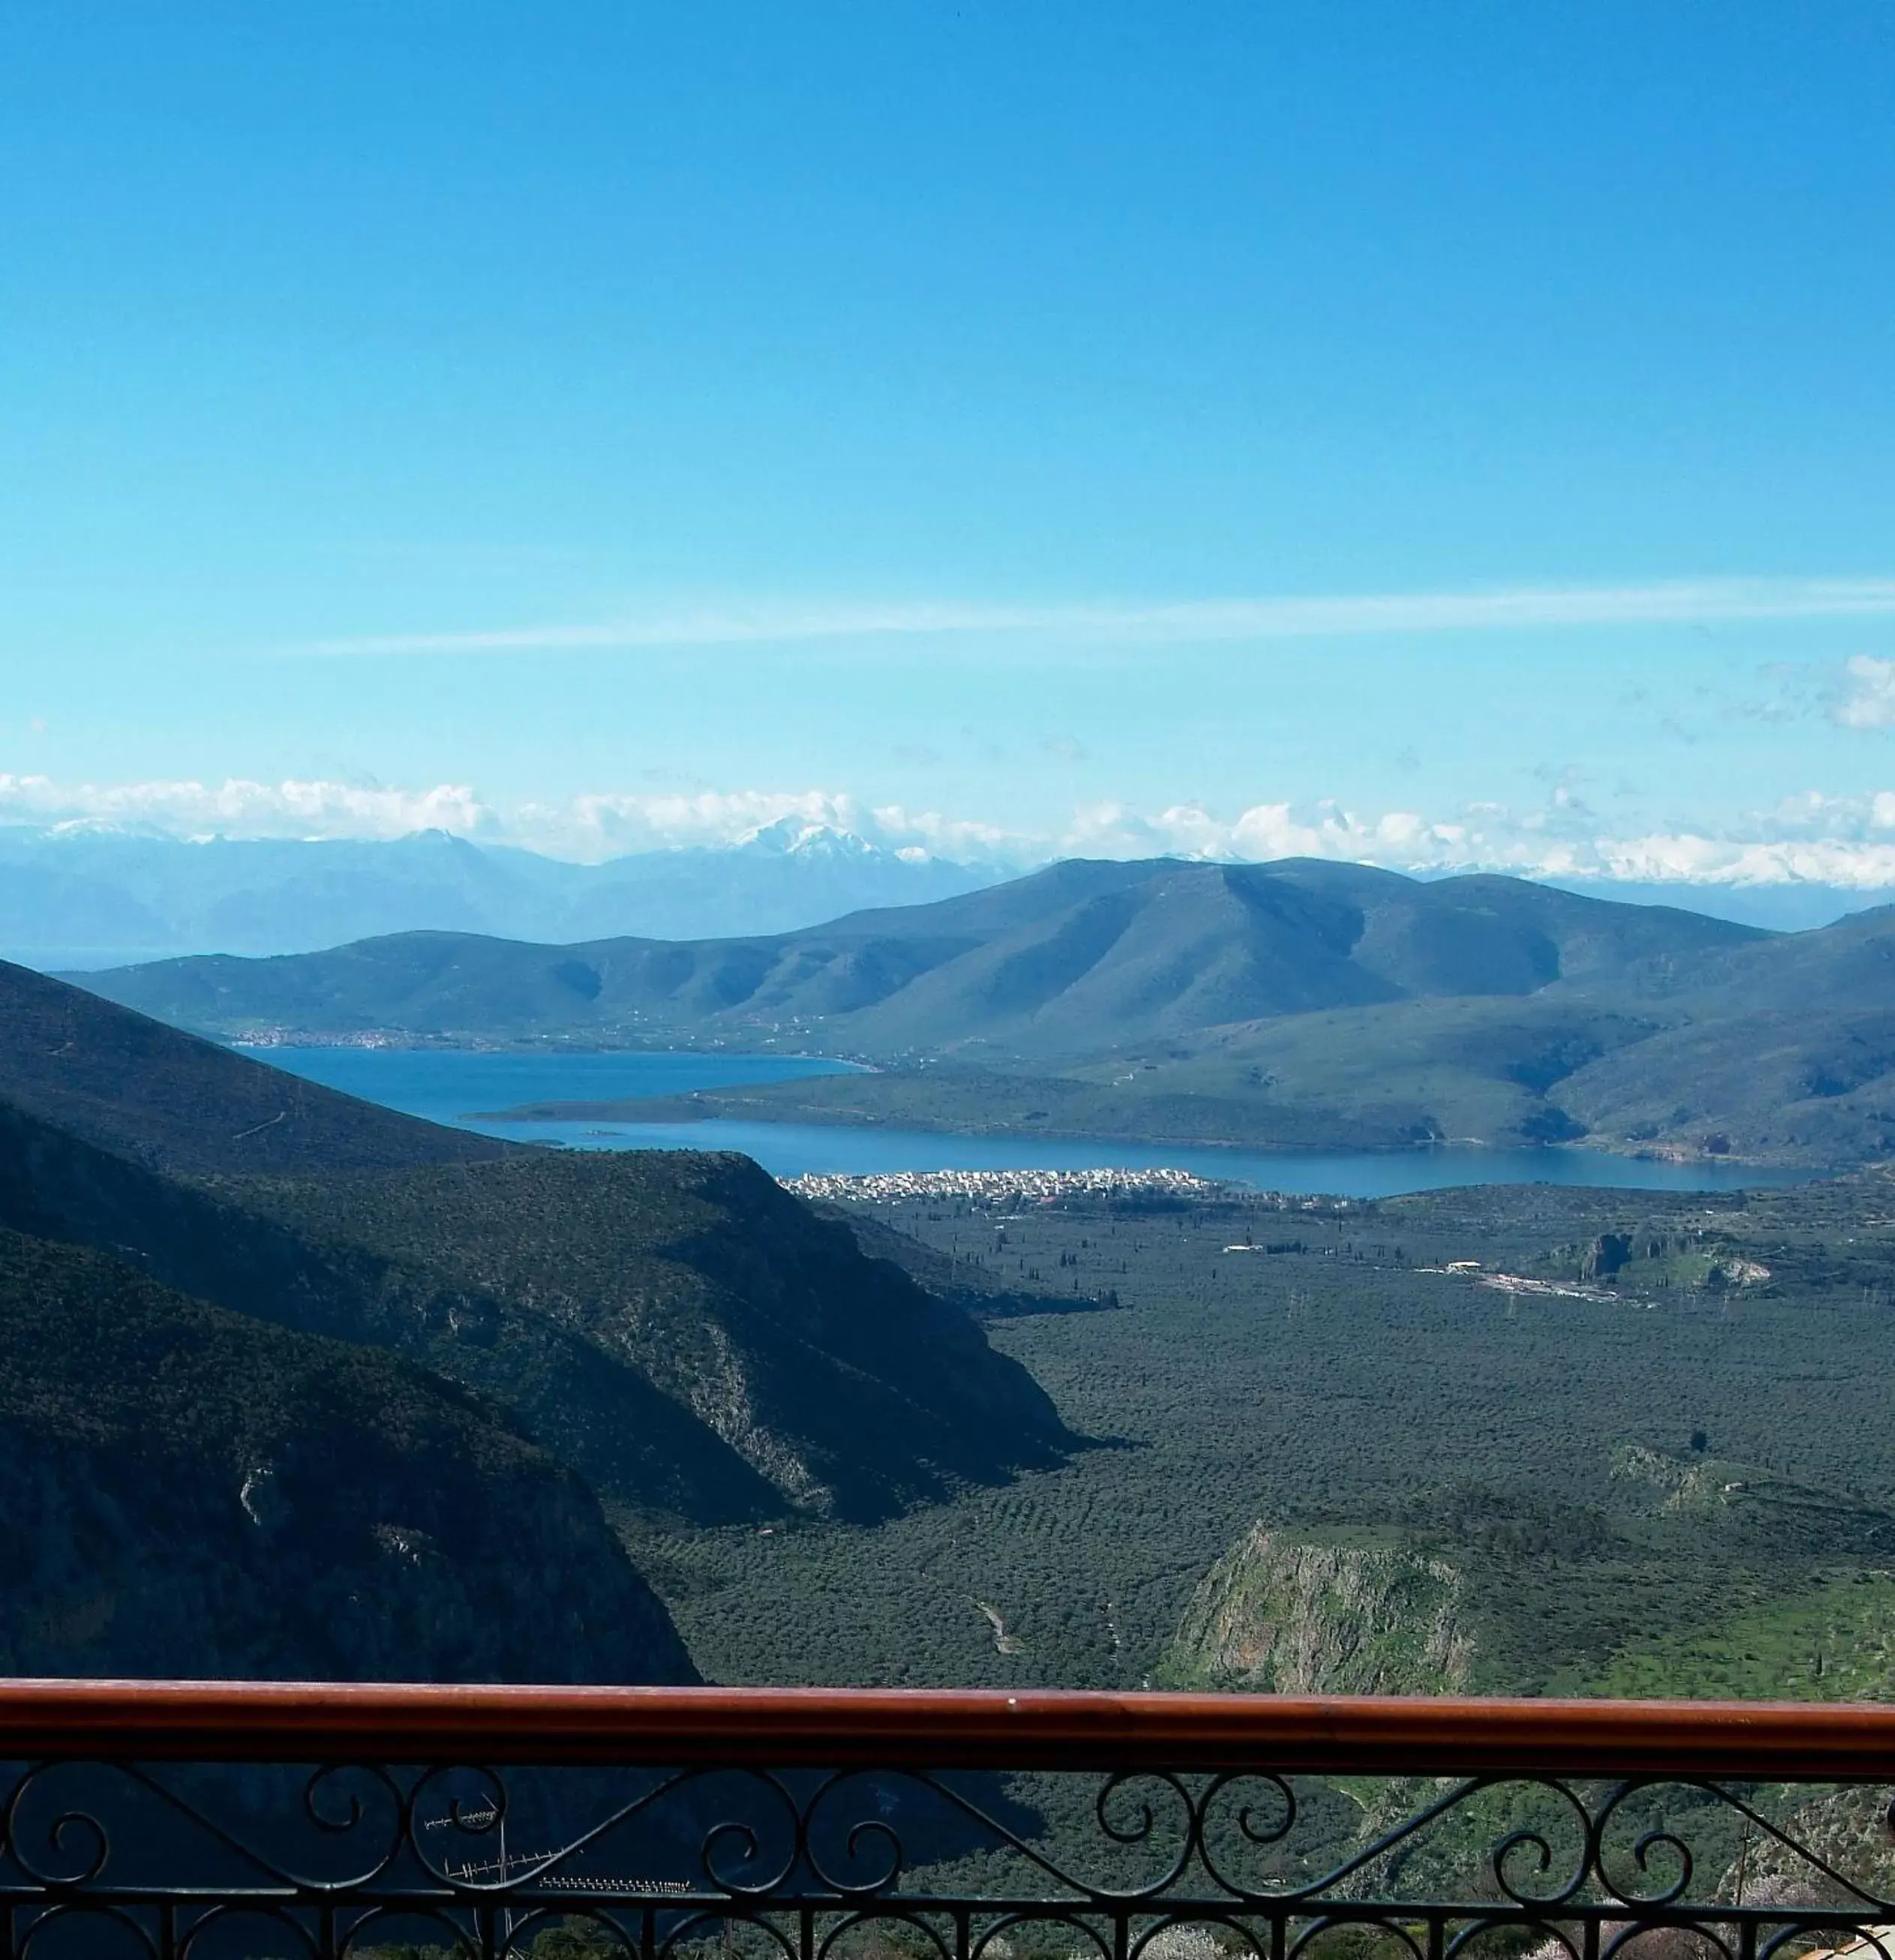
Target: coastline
{"type": "Point", "coordinates": [702, 1106]}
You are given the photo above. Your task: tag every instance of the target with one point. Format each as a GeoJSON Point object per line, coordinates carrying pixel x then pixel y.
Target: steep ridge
{"type": "Point", "coordinates": [187, 1491]}
{"type": "Point", "coordinates": [594, 1410]}
{"type": "Point", "coordinates": [841, 1383]}
{"type": "Point", "coordinates": [677, 1327]}
{"type": "Point", "coordinates": [1079, 959]}
{"type": "Point", "coordinates": [134, 1085]}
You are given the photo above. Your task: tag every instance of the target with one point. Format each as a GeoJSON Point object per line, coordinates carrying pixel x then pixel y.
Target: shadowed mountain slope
{"type": "Point", "coordinates": [134, 1085]}
{"type": "Point", "coordinates": [188, 1492]}
{"type": "Point", "coordinates": [842, 1384]}
{"type": "Point", "coordinates": [594, 1410]}
{"type": "Point", "coordinates": [676, 1327]}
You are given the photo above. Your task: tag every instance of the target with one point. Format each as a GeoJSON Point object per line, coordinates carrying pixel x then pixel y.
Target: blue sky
{"type": "Point", "coordinates": [599, 425]}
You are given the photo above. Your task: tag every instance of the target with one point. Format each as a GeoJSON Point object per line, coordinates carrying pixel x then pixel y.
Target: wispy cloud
{"type": "Point", "coordinates": [1682, 601]}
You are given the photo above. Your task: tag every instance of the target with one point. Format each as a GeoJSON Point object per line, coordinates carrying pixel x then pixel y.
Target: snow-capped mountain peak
{"type": "Point", "coordinates": [793, 837]}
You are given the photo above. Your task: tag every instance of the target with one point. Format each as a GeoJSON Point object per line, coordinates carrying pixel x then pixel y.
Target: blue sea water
{"type": "Point", "coordinates": [450, 1086]}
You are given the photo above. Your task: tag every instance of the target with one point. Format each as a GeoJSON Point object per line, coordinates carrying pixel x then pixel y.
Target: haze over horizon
{"type": "Point", "coordinates": [999, 436]}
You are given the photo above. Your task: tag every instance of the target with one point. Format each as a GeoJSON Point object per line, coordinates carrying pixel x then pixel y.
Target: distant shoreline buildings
{"type": "Point", "coordinates": [987, 1187]}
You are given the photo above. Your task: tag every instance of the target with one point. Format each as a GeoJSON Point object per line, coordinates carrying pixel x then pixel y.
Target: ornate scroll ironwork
{"type": "Point", "coordinates": [199, 1862]}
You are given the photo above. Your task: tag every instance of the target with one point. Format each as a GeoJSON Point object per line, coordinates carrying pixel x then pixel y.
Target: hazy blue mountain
{"type": "Point", "coordinates": [788, 876]}
{"type": "Point", "coordinates": [78, 897]}
{"type": "Point", "coordinates": [1079, 959]}
{"type": "Point", "coordinates": [1793, 907]}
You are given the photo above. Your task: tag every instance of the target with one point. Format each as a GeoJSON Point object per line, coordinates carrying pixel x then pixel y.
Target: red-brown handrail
{"type": "Point", "coordinates": [918, 1729]}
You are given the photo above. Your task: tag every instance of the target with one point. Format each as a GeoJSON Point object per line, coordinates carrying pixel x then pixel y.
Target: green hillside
{"type": "Point", "coordinates": [1836, 1643]}
{"type": "Point", "coordinates": [1775, 1087]}
{"type": "Point", "coordinates": [1494, 1071]}
{"type": "Point", "coordinates": [191, 1492]}
{"type": "Point", "coordinates": [1793, 1084]}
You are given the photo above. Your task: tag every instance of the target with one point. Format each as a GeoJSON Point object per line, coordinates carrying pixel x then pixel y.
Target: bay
{"type": "Point", "coordinates": [445, 1085]}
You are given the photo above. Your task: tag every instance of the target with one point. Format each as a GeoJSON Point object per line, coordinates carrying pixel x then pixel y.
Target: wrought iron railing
{"type": "Point", "coordinates": [166, 1820]}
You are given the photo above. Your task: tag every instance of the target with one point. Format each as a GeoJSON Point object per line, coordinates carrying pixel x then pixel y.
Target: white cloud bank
{"type": "Point", "coordinates": [1843, 842]}
{"type": "Point", "coordinates": [240, 807]}
{"type": "Point", "coordinates": [1685, 601]}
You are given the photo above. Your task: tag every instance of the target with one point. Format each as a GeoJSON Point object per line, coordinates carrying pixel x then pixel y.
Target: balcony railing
{"type": "Point", "coordinates": [173, 1819]}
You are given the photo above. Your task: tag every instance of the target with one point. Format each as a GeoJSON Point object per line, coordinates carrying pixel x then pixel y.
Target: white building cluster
{"type": "Point", "coordinates": [992, 1187]}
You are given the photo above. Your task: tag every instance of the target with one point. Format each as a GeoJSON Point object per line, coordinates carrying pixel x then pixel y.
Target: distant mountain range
{"type": "Point", "coordinates": [1298, 1003]}
{"type": "Point", "coordinates": [92, 896]}
{"type": "Point", "coordinates": [291, 1385]}
{"type": "Point", "coordinates": [82, 897]}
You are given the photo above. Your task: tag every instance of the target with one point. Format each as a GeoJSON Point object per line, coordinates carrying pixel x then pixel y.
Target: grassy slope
{"type": "Point", "coordinates": [1831, 1644]}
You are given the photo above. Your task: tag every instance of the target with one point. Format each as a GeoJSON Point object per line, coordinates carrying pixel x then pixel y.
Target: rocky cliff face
{"type": "Point", "coordinates": [1287, 1617]}
{"type": "Point", "coordinates": [185, 1491]}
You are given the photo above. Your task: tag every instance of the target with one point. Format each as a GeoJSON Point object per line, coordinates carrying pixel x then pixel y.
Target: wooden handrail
{"type": "Point", "coordinates": [924, 1729]}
